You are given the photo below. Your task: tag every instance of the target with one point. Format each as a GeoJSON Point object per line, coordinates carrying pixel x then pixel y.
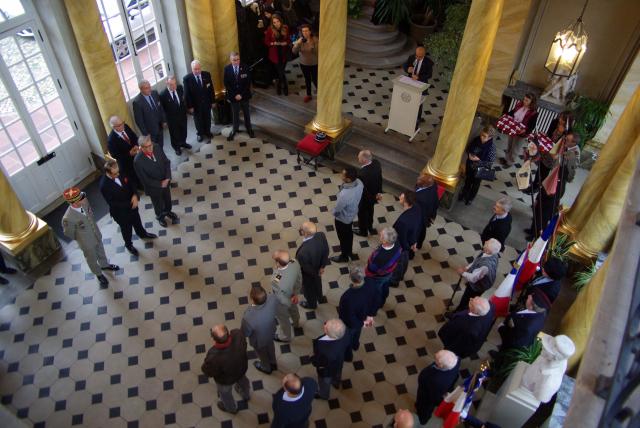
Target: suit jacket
{"type": "Point", "coordinates": [81, 227]}
{"type": "Point", "coordinates": [464, 334]}
{"type": "Point", "coordinates": [427, 200]}
{"type": "Point", "coordinates": [550, 288]}
{"type": "Point", "coordinates": [371, 177]}
{"type": "Point", "coordinates": [434, 383]}
{"type": "Point", "coordinates": [408, 226]}
{"type": "Point", "coordinates": [119, 150]}
{"type": "Point", "coordinates": [237, 86]}
{"type": "Point", "coordinates": [118, 197]}
{"type": "Point", "coordinates": [148, 119]}
{"type": "Point", "coordinates": [356, 304]}
{"type": "Point", "coordinates": [198, 97]}
{"type": "Point", "coordinates": [498, 229]}
{"type": "Point", "coordinates": [227, 365]}
{"type": "Point", "coordinates": [426, 69]}
{"type": "Point", "coordinates": [294, 414]}
{"type": "Point", "coordinates": [328, 355]}
{"type": "Point", "coordinates": [176, 114]}
{"type": "Point", "coordinates": [521, 328]}
{"type": "Point", "coordinates": [259, 322]}
{"type": "Point", "coordinates": [152, 173]}
{"type": "Point", "coordinates": [313, 254]}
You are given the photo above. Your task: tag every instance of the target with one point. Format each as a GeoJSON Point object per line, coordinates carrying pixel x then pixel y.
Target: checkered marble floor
{"type": "Point", "coordinates": [73, 354]}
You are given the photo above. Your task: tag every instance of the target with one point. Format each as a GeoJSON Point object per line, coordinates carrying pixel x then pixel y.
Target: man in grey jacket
{"type": "Point", "coordinates": [286, 284]}
{"type": "Point", "coordinates": [345, 210]}
{"type": "Point", "coordinates": [149, 114]}
{"type": "Point", "coordinates": [259, 326]}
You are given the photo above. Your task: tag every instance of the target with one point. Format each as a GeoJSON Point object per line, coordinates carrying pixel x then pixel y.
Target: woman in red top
{"type": "Point", "coordinates": [277, 40]}
{"type": "Point", "coordinates": [526, 113]}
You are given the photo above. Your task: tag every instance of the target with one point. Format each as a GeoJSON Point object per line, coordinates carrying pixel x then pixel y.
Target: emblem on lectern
{"type": "Point", "coordinates": [406, 97]}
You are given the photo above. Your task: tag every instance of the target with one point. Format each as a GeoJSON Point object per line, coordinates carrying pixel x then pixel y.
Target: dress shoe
{"type": "Point", "coordinates": [307, 98]}
{"type": "Point", "coordinates": [221, 407]}
{"type": "Point", "coordinates": [200, 138]}
{"type": "Point", "coordinates": [111, 267]}
{"type": "Point", "coordinates": [132, 250]}
{"type": "Point", "coordinates": [149, 236]}
{"type": "Point", "coordinates": [279, 339]}
{"type": "Point", "coordinates": [467, 202]}
{"type": "Point", "coordinates": [103, 280]}
{"type": "Point", "coordinates": [528, 231]}
{"type": "Point", "coordinates": [209, 135]}
{"type": "Point", "coordinates": [354, 257]}
{"type": "Point", "coordinates": [373, 232]}
{"type": "Point", "coordinates": [187, 146]}
{"type": "Point", "coordinates": [260, 368]}
{"type": "Point", "coordinates": [339, 259]}
{"type": "Point", "coordinates": [178, 151]}
{"type": "Point", "coordinates": [8, 270]}
{"type": "Point", "coordinates": [162, 221]}
{"type": "Point", "coordinates": [306, 305]}
{"type": "Point", "coordinates": [360, 233]}
{"type": "Point", "coordinates": [274, 367]}
{"type": "Point", "coordinates": [231, 136]}
{"type": "Point", "coordinates": [251, 133]}
{"type": "Point", "coordinates": [318, 397]}
{"type": "Point", "coordinates": [173, 216]}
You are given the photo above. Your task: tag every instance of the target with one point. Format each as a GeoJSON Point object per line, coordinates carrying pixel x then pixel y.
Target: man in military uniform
{"type": "Point", "coordinates": [286, 284]}
{"type": "Point", "coordinates": [78, 224]}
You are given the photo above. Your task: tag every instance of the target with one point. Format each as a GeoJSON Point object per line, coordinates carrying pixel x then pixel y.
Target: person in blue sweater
{"type": "Point", "coordinates": [345, 210]}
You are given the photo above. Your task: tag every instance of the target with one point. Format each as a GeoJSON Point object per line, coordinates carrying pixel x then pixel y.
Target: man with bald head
{"type": "Point", "coordinates": [123, 147]}
{"type": "Point", "coordinates": [403, 418]}
{"type": "Point", "coordinates": [370, 174]}
{"type": "Point", "coordinates": [313, 256]}
{"type": "Point", "coordinates": [292, 404]}
{"type": "Point", "coordinates": [149, 114]}
{"type": "Point", "coordinates": [435, 381]}
{"type": "Point", "coordinates": [226, 363]}
{"type": "Point", "coordinates": [419, 67]}
{"type": "Point", "coordinates": [175, 108]}
{"type": "Point", "coordinates": [286, 284]}
{"type": "Point", "coordinates": [329, 350]}
{"type": "Point", "coordinates": [467, 330]}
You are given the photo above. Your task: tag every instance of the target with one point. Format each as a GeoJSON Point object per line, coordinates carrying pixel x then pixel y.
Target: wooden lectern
{"type": "Point", "coordinates": [405, 102]}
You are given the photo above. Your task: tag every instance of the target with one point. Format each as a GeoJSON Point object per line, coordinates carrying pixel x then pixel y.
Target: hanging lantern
{"type": "Point", "coordinates": [567, 49]}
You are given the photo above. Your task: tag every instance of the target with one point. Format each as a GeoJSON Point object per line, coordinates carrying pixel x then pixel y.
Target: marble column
{"type": "Point", "coordinates": [331, 53]}
{"type": "Point", "coordinates": [466, 86]}
{"type": "Point", "coordinates": [200, 17]}
{"type": "Point", "coordinates": [97, 57]}
{"type": "Point", "coordinates": [225, 27]}
{"type": "Point", "coordinates": [23, 235]}
{"type": "Point", "coordinates": [618, 147]}
{"type": "Point", "coordinates": [503, 56]}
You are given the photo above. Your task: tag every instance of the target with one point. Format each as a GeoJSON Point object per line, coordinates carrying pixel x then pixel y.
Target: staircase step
{"type": "Point", "coordinates": [366, 24]}
{"type": "Point", "coordinates": [378, 49]}
{"type": "Point", "coordinates": [368, 36]}
{"type": "Point", "coordinates": [366, 60]}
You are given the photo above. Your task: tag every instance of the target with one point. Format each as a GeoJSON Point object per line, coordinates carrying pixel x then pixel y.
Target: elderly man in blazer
{"type": "Point", "coordinates": [199, 96]}
{"type": "Point", "coordinates": [123, 204]}
{"type": "Point", "coordinates": [154, 170]}
{"type": "Point", "coordinates": [434, 382]}
{"type": "Point", "coordinates": [358, 305]}
{"type": "Point", "coordinates": [175, 110]}
{"type": "Point", "coordinates": [78, 224]}
{"type": "Point", "coordinates": [313, 256]}
{"type": "Point", "coordinates": [370, 174]}
{"type": "Point", "coordinates": [149, 114]}
{"type": "Point", "coordinates": [427, 200]}
{"type": "Point", "coordinates": [123, 147]}
{"type": "Point", "coordinates": [259, 326]}
{"type": "Point", "coordinates": [408, 226]}
{"type": "Point", "coordinates": [467, 330]}
{"type": "Point", "coordinates": [419, 67]}
{"type": "Point", "coordinates": [329, 351]}
{"type": "Point", "coordinates": [286, 284]}
{"type": "Point", "coordinates": [237, 82]}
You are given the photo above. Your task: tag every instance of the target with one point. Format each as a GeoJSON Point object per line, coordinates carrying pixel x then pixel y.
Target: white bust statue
{"type": "Point", "coordinates": [558, 88]}
{"type": "Point", "coordinates": [544, 377]}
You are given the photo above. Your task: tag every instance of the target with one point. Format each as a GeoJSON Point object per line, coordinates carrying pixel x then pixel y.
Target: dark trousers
{"type": "Point", "coordinates": [246, 111]}
{"type": "Point", "coordinates": [424, 408]}
{"type": "Point", "coordinates": [541, 173]}
{"type": "Point", "coordinates": [161, 200]}
{"type": "Point", "coordinates": [310, 73]}
{"type": "Point", "coordinates": [325, 382]}
{"type": "Point", "coordinates": [281, 76]}
{"type": "Point", "coordinates": [355, 342]}
{"type": "Point", "coordinates": [471, 183]}
{"type": "Point", "coordinates": [365, 215]}
{"type": "Point", "coordinates": [345, 236]}
{"type": "Point", "coordinates": [469, 293]}
{"type": "Point", "coordinates": [178, 132]}
{"type": "Point", "coordinates": [422, 233]}
{"type": "Point", "coordinates": [158, 138]}
{"type": "Point", "coordinates": [401, 269]}
{"type": "Point", "coordinates": [381, 284]}
{"type": "Point", "coordinates": [130, 221]}
{"type": "Point", "coordinates": [202, 120]}
{"type": "Point", "coordinates": [312, 289]}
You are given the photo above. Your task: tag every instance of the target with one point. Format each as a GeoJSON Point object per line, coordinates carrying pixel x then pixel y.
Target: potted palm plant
{"type": "Point", "coordinates": [423, 19]}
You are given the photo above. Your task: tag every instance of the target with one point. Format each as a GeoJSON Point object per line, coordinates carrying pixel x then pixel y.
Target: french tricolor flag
{"type": "Point", "coordinates": [502, 296]}
{"type": "Point", "coordinates": [535, 254]}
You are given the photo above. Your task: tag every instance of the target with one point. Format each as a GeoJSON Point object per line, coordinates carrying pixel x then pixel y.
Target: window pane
{"type": "Point", "coordinates": [149, 75]}
{"type": "Point", "coordinates": [28, 153]}
{"type": "Point", "coordinates": [27, 42]}
{"type": "Point", "coordinates": [48, 89]}
{"type": "Point", "coordinates": [38, 67]}
{"type": "Point", "coordinates": [41, 119]}
{"type": "Point", "coordinates": [132, 87]}
{"type": "Point", "coordinates": [18, 132]}
{"type": "Point", "coordinates": [31, 98]}
{"type": "Point", "coordinates": [56, 110]}
{"type": "Point", "coordinates": [11, 163]}
{"type": "Point", "coordinates": [65, 131]}
{"type": "Point", "coordinates": [11, 8]}
{"type": "Point", "coordinates": [50, 139]}
{"type": "Point", "coordinates": [144, 58]}
{"type": "Point", "coordinates": [5, 143]}
{"type": "Point", "coordinates": [7, 111]}
{"type": "Point", "coordinates": [20, 75]}
{"type": "Point", "coordinates": [9, 51]}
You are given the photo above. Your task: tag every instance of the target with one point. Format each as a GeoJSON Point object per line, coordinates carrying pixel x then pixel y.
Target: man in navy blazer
{"type": "Point", "coordinates": [149, 114]}
{"type": "Point", "coordinates": [427, 200]}
{"type": "Point", "coordinates": [237, 82]}
{"type": "Point", "coordinates": [521, 327]}
{"type": "Point", "coordinates": [175, 109]}
{"type": "Point", "coordinates": [434, 382]}
{"type": "Point", "coordinates": [329, 351]}
{"type": "Point", "coordinates": [370, 174]}
{"type": "Point", "coordinates": [199, 95]}
{"type": "Point", "coordinates": [313, 256]}
{"type": "Point", "coordinates": [123, 204]}
{"type": "Point", "coordinates": [292, 404]}
{"type": "Point", "coordinates": [408, 227]}
{"type": "Point", "coordinates": [123, 147]}
{"type": "Point", "coordinates": [467, 330]}
{"type": "Point", "coordinates": [358, 305]}
{"type": "Point", "coordinates": [419, 67]}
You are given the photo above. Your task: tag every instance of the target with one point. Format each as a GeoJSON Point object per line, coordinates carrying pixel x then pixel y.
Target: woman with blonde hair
{"type": "Point", "coordinates": [276, 38]}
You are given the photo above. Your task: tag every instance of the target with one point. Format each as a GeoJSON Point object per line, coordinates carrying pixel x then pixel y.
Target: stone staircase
{"type": "Point", "coordinates": [375, 46]}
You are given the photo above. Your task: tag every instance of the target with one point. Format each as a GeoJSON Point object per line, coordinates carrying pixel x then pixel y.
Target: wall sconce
{"type": "Point", "coordinates": [567, 49]}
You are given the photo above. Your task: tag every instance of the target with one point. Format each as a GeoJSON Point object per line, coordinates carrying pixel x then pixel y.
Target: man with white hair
{"type": "Point", "coordinates": [370, 174]}
{"type": "Point", "coordinates": [328, 356]}
{"type": "Point", "coordinates": [313, 256]}
{"type": "Point", "coordinates": [123, 147]}
{"type": "Point", "coordinates": [499, 225]}
{"type": "Point", "coordinates": [435, 381]}
{"type": "Point", "coordinates": [175, 109]}
{"type": "Point", "coordinates": [466, 331]}
{"type": "Point", "coordinates": [382, 262]}
{"type": "Point", "coordinates": [403, 418]}
{"type": "Point", "coordinates": [149, 114]}
{"type": "Point", "coordinates": [286, 284]}
{"type": "Point", "coordinates": [480, 274]}
{"type": "Point", "coordinates": [199, 96]}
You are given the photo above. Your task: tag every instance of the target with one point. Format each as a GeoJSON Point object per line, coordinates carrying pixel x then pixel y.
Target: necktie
{"type": "Point", "coordinates": [199, 80]}
{"type": "Point", "coordinates": [235, 70]}
{"type": "Point", "coordinates": [417, 68]}
{"type": "Point", "coordinates": [82, 210]}
{"type": "Point", "coordinates": [151, 102]}
{"type": "Point", "coordinates": [175, 98]}
{"type": "Point", "coordinates": [125, 137]}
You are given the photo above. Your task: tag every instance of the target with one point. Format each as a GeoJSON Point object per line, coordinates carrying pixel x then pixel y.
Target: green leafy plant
{"type": "Point", "coordinates": [509, 359]}
{"type": "Point", "coordinates": [561, 247]}
{"type": "Point", "coordinates": [395, 12]}
{"type": "Point", "coordinates": [443, 46]}
{"type": "Point", "coordinates": [354, 8]}
{"type": "Point", "coordinates": [590, 114]}
{"type": "Point", "coordinates": [582, 278]}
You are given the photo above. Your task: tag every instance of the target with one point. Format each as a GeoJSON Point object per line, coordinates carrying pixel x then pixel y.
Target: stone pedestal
{"type": "Point", "coordinates": [513, 404]}
{"type": "Point", "coordinates": [35, 249]}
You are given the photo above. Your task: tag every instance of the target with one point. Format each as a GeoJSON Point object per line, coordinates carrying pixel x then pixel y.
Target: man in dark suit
{"type": "Point", "coordinates": [419, 67]}
{"type": "Point", "coordinates": [123, 147]}
{"type": "Point", "coordinates": [329, 351]}
{"type": "Point", "coordinates": [467, 330]}
{"type": "Point", "coordinates": [370, 174]}
{"type": "Point", "coordinates": [434, 382]}
{"type": "Point", "coordinates": [292, 404]}
{"type": "Point", "coordinates": [358, 305]}
{"type": "Point", "coordinates": [549, 281]}
{"type": "Point", "coordinates": [499, 225]}
{"type": "Point", "coordinates": [521, 327]}
{"type": "Point", "coordinates": [313, 256]}
{"type": "Point", "coordinates": [154, 170]}
{"type": "Point", "coordinates": [175, 109]}
{"type": "Point", "coordinates": [149, 114]}
{"type": "Point", "coordinates": [123, 204]}
{"type": "Point", "coordinates": [237, 82]}
{"type": "Point", "coordinates": [408, 226]}
{"type": "Point", "coordinates": [427, 200]}
{"type": "Point", "coordinates": [199, 96]}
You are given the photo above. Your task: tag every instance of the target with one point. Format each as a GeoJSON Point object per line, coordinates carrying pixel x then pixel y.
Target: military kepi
{"type": "Point", "coordinates": [73, 195]}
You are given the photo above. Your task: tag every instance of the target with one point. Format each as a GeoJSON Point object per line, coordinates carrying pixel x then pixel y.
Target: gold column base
{"type": "Point", "coordinates": [32, 248]}
{"type": "Point", "coordinates": [14, 242]}
{"type": "Point", "coordinates": [449, 181]}
{"type": "Point", "coordinates": [333, 132]}
{"type": "Point", "coordinates": [580, 253]}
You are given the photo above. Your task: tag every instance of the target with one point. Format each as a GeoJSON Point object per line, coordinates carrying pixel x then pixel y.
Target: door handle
{"type": "Point", "coordinates": [46, 158]}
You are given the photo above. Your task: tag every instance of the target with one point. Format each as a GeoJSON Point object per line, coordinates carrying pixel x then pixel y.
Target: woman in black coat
{"type": "Point", "coordinates": [481, 152]}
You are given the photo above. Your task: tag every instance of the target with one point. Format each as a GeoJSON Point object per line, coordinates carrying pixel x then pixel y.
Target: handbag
{"type": "Point", "coordinates": [484, 173]}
